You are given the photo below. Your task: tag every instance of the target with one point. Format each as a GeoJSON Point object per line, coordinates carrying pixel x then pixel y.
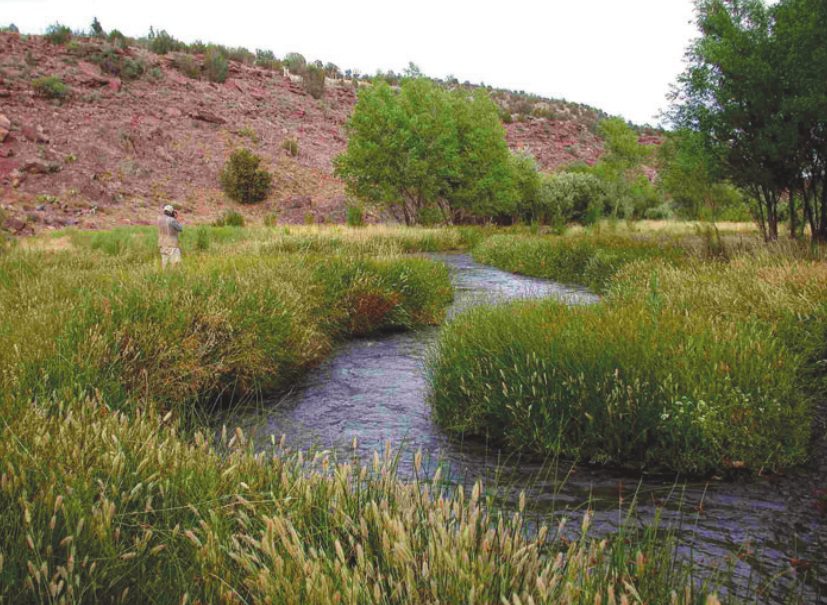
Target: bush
{"type": "Point", "coordinates": [117, 39]}
{"type": "Point", "coordinates": [162, 43]}
{"type": "Point", "coordinates": [570, 197]}
{"type": "Point", "coordinates": [118, 65]}
{"type": "Point", "coordinates": [215, 65]}
{"type": "Point", "coordinates": [291, 146]}
{"type": "Point", "coordinates": [231, 218]}
{"type": "Point", "coordinates": [313, 81]}
{"type": "Point", "coordinates": [243, 180]}
{"type": "Point", "coordinates": [50, 87]}
{"type": "Point", "coordinates": [267, 60]}
{"type": "Point", "coordinates": [295, 62]}
{"type": "Point", "coordinates": [58, 34]}
{"type": "Point", "coordinates": [187, 65]}
{"type": "Point", "coordinates": [355, 216]}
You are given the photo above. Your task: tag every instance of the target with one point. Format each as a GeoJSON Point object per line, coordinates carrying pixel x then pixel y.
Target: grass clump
{"type": "Point", "coordinates": [242, 178]}
{"type": "Point", "coordinates": [50, 87]}
{"type": "Point", "coordinates": [690, 366]}
{"type": "Point", "coordinates": [230, 218]}
{"type": "Point", "coordinates": [588, 260]}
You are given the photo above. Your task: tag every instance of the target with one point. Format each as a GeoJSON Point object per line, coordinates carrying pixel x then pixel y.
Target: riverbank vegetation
{"type": "Point", "coordinates": [113, 489]}
{"type": "Point", "coordinates": [692, 362]}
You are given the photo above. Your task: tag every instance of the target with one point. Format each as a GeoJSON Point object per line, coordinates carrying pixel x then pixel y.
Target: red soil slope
{"type": "Point", "coordinates": [113, 152]}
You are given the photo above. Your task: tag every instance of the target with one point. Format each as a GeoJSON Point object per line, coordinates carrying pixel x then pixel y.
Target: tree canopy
{"type": "Point", "coordinates": [754, 90]}
{"type": "Point", "coordinates": [421, 147]}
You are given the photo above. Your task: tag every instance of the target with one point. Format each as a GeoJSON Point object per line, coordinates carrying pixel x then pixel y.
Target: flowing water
{"type": "Point", "coordinates": [374, 390]}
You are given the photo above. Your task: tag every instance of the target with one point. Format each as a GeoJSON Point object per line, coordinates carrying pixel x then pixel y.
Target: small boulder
{"type": "Point", "coordinates": [207, 116]}
{"type": "Point", "coordinates": [15, 225]}
{"type": "Point", "coordinates": [40, 167]}
{"type": "Point", "coordinates": [5, 127]}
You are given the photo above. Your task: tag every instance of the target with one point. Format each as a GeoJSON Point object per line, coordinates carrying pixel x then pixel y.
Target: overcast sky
{"type": "Point", "coordinates": [618, 55]}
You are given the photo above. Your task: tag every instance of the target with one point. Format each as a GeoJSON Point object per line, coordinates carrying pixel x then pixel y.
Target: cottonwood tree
{"type": "Point", "coordinates": [422, 147]}
{"type": "Point", "coordinates": [745, 92]}
{"type": "Point", "coordinates": [801, 55]}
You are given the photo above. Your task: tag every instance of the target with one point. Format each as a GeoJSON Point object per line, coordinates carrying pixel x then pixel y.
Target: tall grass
{"type": "Point", "coordinates": [97, 505]}
{"type": "Point", "coordinates": [685, 365]}
{"type": "Point", "coordinates": [225, 327]}
{"type": "Point", "coordinates": [587, 260]}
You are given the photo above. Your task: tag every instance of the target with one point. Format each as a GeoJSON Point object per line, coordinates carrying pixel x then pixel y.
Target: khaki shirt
{"type": "Point", "coordinates": [168, 230]}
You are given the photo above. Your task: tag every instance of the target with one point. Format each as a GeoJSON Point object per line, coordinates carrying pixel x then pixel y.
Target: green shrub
{"type": "Point", "coordinates": [355, 216]}
{"type": "Point", "coordinates": [215, 65]}
{"type": "Point", "coordinates": [230, 218]}
{"type": "Point", "coordinates": [570, 197]}
{"type": "Point", "coordinates": [58, 34]}
{"type": "Point", "coordinates": [267, 60]}
{"type": "Point", "coordinates": [117, 39]}
{"type": "Point", "coordinates": [295, 62]}
{"type": "Point", "coordinates": [118, 65]}
{"type": "Point", "coordinates": [187, 65]}
{"type": "Point", "coordinates": [313, 81]}
{"type": "Point", "coordinates": [243, 180]}
{"type": "Point", "coordinates": [291, 146]}
{"type": "Point", "coordinates": [271, 219]}
{"type": "Point", "coordinates": [50, 87]}
{"type": "Point", "coordinates": [162, 43]}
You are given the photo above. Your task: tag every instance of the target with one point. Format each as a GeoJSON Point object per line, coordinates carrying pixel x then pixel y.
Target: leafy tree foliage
{"type": "Point", "coordinates": [755, 91]}
{"type": "Point", "coordinates": [568, 197]}
{"type": "Point", "coordinates": [422, 148]}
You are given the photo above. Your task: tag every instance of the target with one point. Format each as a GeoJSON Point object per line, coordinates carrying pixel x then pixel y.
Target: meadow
{"type": "Point", "coordinates": [117, 485]}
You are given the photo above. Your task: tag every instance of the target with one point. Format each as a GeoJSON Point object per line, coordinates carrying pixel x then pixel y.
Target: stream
{"type": "Point", "coordinates": [375, 390]}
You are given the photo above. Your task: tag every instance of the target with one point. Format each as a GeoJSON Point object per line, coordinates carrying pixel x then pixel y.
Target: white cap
{"type": "Point", "coordinates": [168, 209]}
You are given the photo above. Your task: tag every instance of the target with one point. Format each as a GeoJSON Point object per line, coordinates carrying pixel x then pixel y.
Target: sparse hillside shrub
{"type": "Point", "coordinates": [50, 87]}
{"type": "Point", "coordinates": [215, 65]}
{"type": "Point", "coordinates": [118, 65]}
{"type": "Point", "coordinates": [291, 146]}
{"type": "Point", "coordinates": [267, 59]}
{"type": "Point", "coordinates": [117, 39]}
{"type": "Point", "coordinates": [162, 43]}
{"type": "Point", "coordinates": [231, 218]}
{"type": "Point", "coordinates": [243, 180]}
{"type": "Point", "coordinates": [271, 219]}
{"type": "Point", "coordinates": [355, 216]}
{"type": "Point", "coordinates": [313, 81]}
{"type": "Point", "coordinates": [295, 62]}
{"type": "Point", "coordinates": [58, 34]}
{"type": "Point", "coordinates": [187, 65]}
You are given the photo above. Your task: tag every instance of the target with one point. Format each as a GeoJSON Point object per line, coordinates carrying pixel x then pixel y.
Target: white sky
{"type": "Point", "coordinates": [618, 55]}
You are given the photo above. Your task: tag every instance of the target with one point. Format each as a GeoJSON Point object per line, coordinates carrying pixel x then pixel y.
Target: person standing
{"type": "Point", "coordinates": [168, 230]}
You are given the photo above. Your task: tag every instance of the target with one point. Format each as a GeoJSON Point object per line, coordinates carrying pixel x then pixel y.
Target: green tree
{"type": "Point", "coordinates": [733, 93]}
{"type": "Point", "coordinates": [801, 54]}
{"type": "Point", "coordinates": [422, 149]}
{"type": "Point", "coordinates": [484, 181]}
{"type": "Point", "coordinates": [96, 29]}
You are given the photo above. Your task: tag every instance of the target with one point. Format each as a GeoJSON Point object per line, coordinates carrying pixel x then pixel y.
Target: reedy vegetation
{"type": "Point", "coordinates": [686, 365]}
{"type": "Point", "coordinates": [109, 491]}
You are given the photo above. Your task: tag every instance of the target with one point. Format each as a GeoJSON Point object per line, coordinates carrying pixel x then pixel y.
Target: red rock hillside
{"type": "Point", "coordinates": [112, 152]}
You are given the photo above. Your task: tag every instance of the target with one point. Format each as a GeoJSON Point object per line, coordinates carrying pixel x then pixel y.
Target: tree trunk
{"type": "Point", "coordinates": [793, 216]}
